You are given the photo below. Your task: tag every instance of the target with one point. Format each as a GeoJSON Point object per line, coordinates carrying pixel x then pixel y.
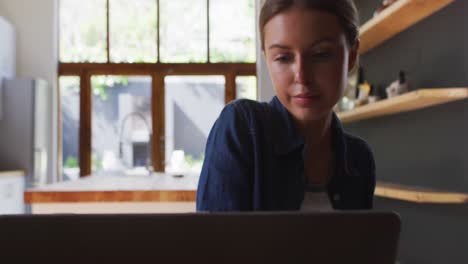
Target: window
{"type": "Point", "coordinates": [133, 74]}
{"type": "Point", "coordinates": [133, 34]}
{"type": "Point", "coordinates": [232, 41]}
{"type": "Point", "coordinates": [70, 117]}
{"type": "Point", "coordinates": [183, 37]}
{"type": "Point", "coordinates": [246, 87]}
{"type": "Point", "coordinates": [121, 123]}
{"type": "Point", "coordinates": [83, 31]}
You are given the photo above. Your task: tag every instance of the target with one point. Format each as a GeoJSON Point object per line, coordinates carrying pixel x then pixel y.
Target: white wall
{"type": "Point", "coordinates": [265, 87]}
{"type": "Point", "coordinates": [7, 56]}
{"type": "Point", "coordinates": [37, 53]}
{"type": "Point", "coordinates": [7, 49]}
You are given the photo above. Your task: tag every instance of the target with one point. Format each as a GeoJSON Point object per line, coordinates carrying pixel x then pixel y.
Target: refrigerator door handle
{"type": "Point", "coordinates": [40, 167]}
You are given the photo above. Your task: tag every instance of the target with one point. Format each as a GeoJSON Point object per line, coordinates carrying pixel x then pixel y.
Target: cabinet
{"type": "Point", "coordinates": [12, 186]}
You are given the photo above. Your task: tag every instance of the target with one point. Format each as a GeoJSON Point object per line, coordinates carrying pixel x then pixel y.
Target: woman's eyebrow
{"type": "Point", "coordinates": [321, 41]}
{"type": "Point", "coordinates": [278, 46]}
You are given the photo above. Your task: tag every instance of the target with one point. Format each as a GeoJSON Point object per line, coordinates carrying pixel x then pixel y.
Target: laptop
{"type": "Point", "coordinates": [273, 238]}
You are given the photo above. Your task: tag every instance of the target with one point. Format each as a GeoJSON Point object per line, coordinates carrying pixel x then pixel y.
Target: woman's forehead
{"type": "Point", "coordinates": [302, 27]}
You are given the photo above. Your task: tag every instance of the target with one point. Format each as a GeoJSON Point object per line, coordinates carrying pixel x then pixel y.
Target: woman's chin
{"type": "Point", "coordinates": [310, 114]}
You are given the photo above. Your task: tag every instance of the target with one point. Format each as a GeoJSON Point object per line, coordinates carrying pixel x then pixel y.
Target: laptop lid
{"type": "Point", "coordinates": [335, 237]}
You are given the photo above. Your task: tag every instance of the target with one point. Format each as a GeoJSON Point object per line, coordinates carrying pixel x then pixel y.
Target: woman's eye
{"type": "Point", "coordinates": [322, 55]}
{"type": "Point", "coordinates": [282, 59]}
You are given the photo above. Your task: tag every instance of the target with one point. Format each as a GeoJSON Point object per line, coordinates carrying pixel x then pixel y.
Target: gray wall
{"type": "Point", "coordinates": [37, 56]}
{"type": "Point", "coordinates": [427, 147]}
{"type": "Point", "coordinates": [192, 105]}
{"type": "Point", "coordinates": [430, 233]}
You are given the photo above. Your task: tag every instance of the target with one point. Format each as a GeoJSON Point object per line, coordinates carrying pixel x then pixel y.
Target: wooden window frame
{"type": "Point", "coordinates": [157, 71]}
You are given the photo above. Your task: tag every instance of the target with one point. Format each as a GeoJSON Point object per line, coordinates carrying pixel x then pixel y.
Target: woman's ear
{"type": "Point", "coordinates": [353, 56]}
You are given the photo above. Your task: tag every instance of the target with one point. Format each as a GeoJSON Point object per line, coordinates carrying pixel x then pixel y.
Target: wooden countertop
{"type": "Point", "coordinates": [156, 188]}
{"type": "Point", "coordinates": [15, 173]}
{"type": "Point", "coordinates": [164, 188]}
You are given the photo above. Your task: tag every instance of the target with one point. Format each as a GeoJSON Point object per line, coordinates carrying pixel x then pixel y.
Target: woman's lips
{"type": "Point", "coordinates": [305, 100]}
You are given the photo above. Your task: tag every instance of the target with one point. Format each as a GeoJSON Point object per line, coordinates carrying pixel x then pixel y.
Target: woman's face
{"type": "Point", "coordinates": [308, 59]}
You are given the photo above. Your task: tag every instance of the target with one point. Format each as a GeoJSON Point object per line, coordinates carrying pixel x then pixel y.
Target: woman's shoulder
{"type": "Point", "coordinates": [247, 105]}
{"type": "Point", "coordinates": [359, 150]}
{"type": "Point", "coordinates": [356, 142]}
{"type": "Point", "coordinates": [246, 110]}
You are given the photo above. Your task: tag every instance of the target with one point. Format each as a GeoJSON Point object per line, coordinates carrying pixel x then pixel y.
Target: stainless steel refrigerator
{"type": "Point", "coordinates": [23, 128]}
{"type": "Point", "coordinates": [7, 54]}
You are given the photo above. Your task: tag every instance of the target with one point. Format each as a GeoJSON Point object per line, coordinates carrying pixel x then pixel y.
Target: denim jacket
{"type": "Point", "coordinates": [254, 161]}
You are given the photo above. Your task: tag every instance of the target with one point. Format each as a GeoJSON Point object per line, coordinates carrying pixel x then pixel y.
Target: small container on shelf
{"type": "Point", "coordinates": [398, 87]}
{"type": "Point", "coordinates": [373, 97]}
{"type": "Point", "coordinates": [363, 89]}
{"type": "Point", "coordinates": [344, 104]}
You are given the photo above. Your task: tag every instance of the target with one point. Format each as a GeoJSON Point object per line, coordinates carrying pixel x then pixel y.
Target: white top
{"type": "Point", "coordinates": [316, 199]}
{"type": "Point", "coordinates": [316, 202]}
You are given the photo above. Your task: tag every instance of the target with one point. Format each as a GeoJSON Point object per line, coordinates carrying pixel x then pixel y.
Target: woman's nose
{"type": "Point", "coordinates": [300, 74]}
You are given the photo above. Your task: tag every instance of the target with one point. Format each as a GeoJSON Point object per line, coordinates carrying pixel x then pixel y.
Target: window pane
{"type": "Point", "coordinates": [232, 31]}
{"type": "Point", "coordinates": [246, 87]}
{"type": "Point", "coordinates": [133, 34]}
{"type": "Point", "coordinates": [192, 105]}
{"type": "Point", "coordinates": [121, 123]}
{"type": "Point", "coordinates": [83, 31]}
{"type": "Point", "coordinates": [70, 107]}
{"type": "Point", "coordinates": [183, 31]}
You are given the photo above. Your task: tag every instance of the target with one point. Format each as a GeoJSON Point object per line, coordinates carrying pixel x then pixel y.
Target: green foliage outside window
{"type": "Point", "coordinates": [133, 27]}
{"type": "Point", "coordinates": [100, 84]}
{"type": "Point", "coordinates": [71, 162]}
{"type": "Point", "coordinates": [194, 163]}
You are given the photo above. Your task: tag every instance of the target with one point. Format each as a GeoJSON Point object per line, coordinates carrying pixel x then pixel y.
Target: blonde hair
{"type": "Point", "coordinates": [344, 10]}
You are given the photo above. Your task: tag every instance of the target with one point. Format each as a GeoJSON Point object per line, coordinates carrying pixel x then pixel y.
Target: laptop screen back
{"type": "Point", "coordinates": [337, 237]}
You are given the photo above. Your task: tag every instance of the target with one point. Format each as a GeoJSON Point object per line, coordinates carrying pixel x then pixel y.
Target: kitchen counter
{"type": "Point", "coordinates": [119, 188]}
{"type": "Point", "coordinates": [158, 193]}
{"type": "Point", "coordinates": [12, 185]}
{"type": "Point", "coordinates": [16, 173]}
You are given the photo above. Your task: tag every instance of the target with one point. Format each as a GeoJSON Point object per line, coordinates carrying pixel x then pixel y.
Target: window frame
{"type": "Point", "coordinates": [157, 71]}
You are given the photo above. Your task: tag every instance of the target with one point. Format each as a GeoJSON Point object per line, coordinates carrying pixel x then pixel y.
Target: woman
{"type": "Point", "coordinates": [292, 154]}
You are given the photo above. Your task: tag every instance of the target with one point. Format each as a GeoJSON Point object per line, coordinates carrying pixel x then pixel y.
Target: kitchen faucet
{"type": "Point", "coordinates": [122, 127]}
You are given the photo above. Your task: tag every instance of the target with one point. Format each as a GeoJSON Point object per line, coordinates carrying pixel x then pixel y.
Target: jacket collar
{"type": "Point", "coordinates": [286, 138]}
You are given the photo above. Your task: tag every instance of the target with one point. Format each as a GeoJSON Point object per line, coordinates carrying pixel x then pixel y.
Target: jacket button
{"type": "Point", "coordinates": [336, 197]}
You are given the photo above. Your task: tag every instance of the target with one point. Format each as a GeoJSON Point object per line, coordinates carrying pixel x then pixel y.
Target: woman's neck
{"type": "Point", "coordinates": [316, 133]}
{"type": "Point", "coordinates": [318, 152]}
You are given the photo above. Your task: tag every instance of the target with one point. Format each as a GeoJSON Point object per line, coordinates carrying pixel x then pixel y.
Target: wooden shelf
{"type": "Point", "coordinates": [419, 195]}
{"type": "Point", "coordinates": [395, 19]}
{"type": "Point", "coordinates": [407, 102]}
